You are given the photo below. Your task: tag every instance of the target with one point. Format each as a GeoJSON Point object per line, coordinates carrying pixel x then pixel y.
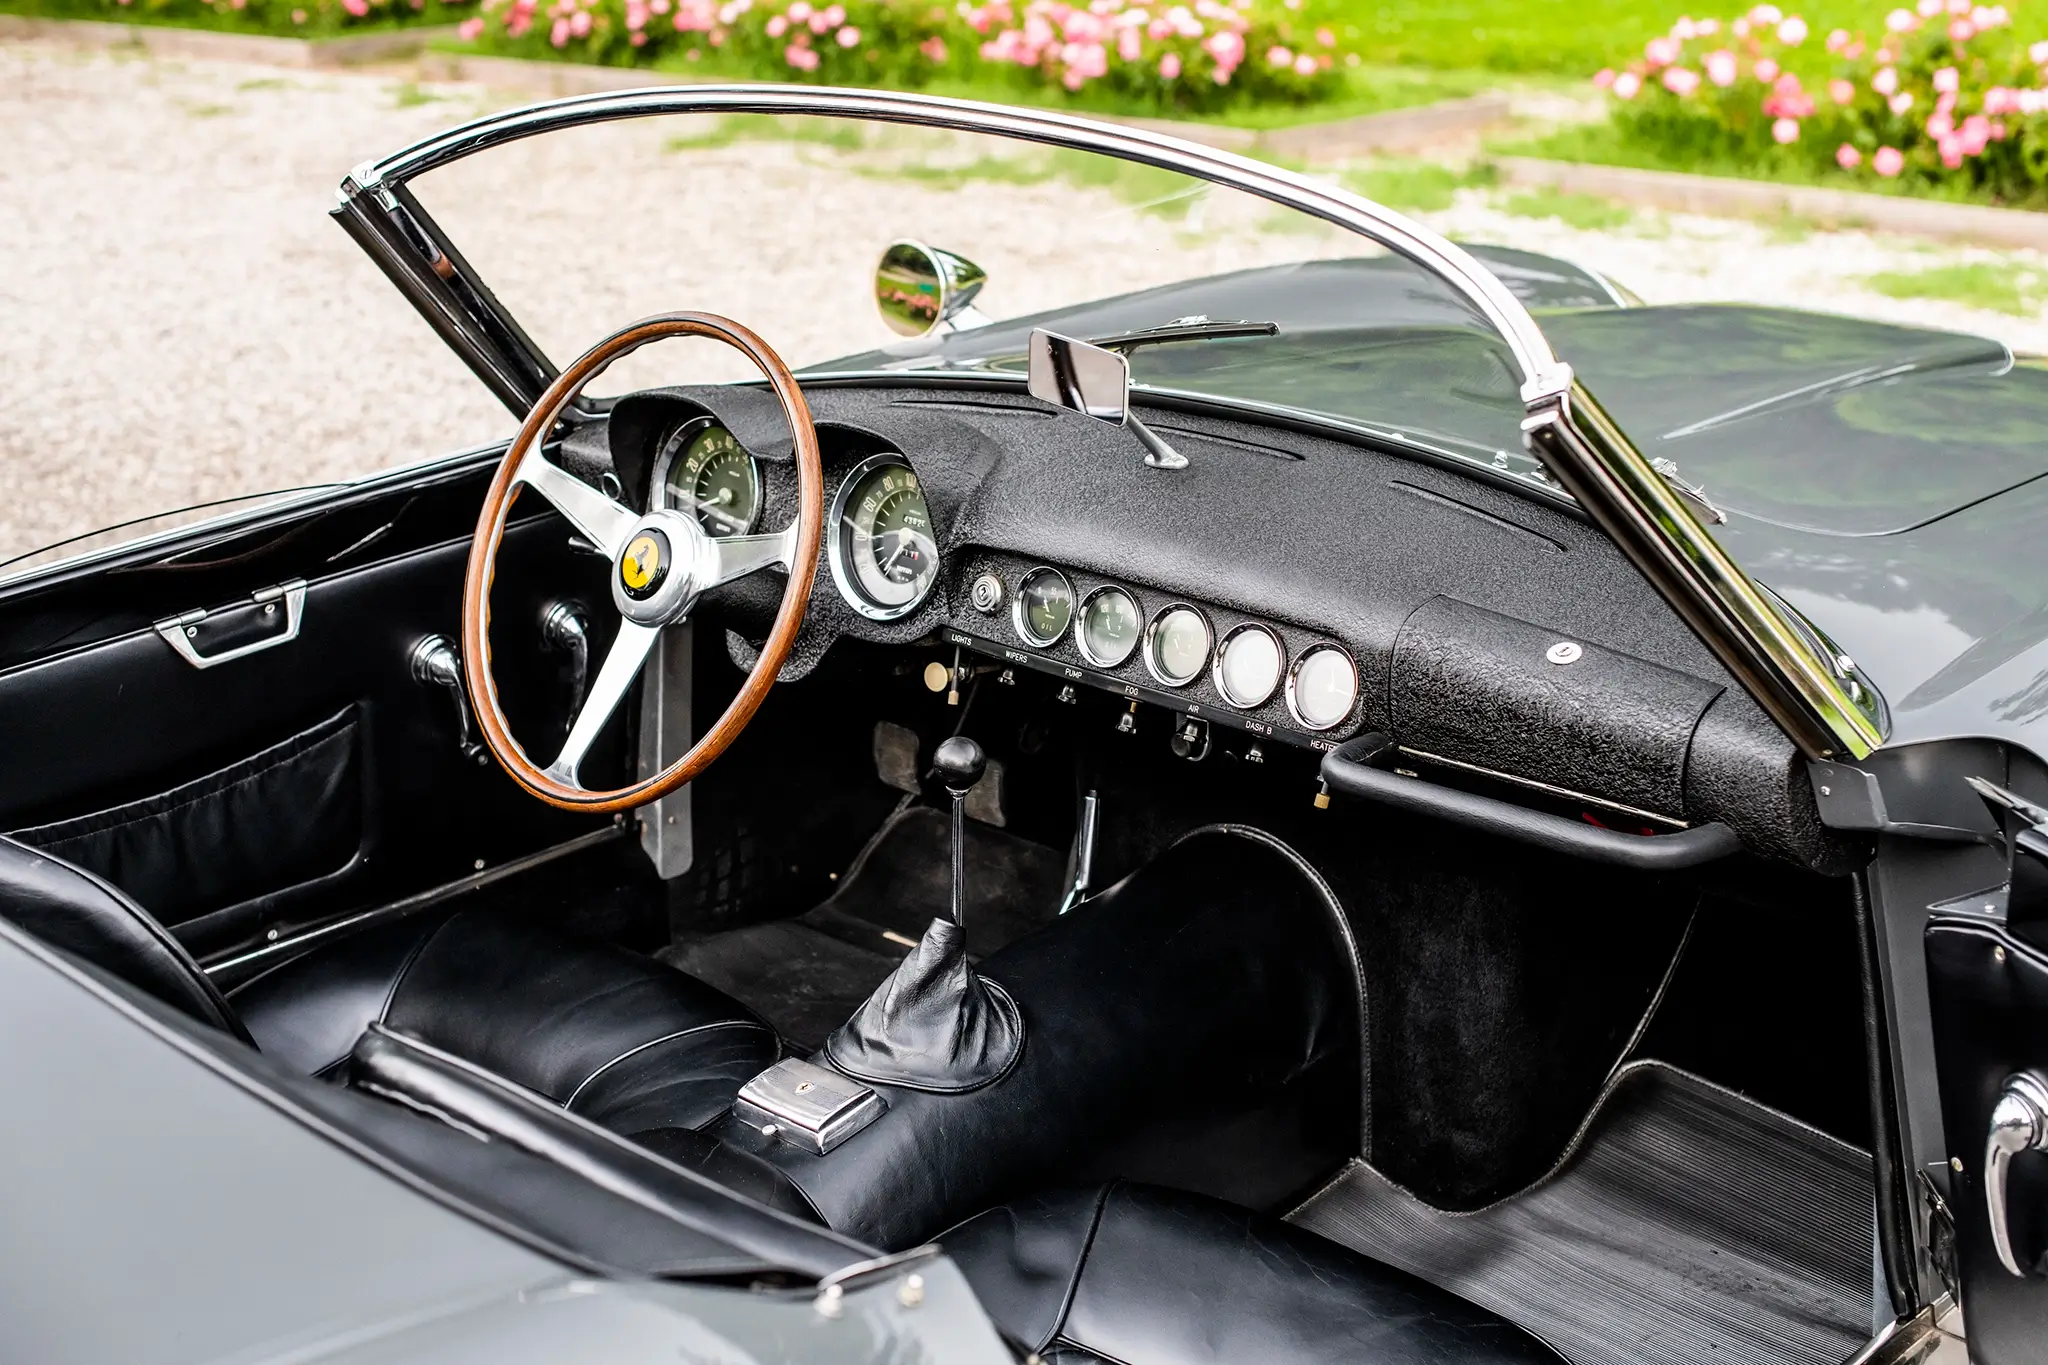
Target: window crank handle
{"type": "Point", "coordinates": [2019, 1123]}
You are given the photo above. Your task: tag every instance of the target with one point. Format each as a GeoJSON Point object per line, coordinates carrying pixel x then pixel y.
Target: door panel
{"type": "Point", "coordinates": [124, 726]}
{"type": "Point", "coordinates": [1989, 992]}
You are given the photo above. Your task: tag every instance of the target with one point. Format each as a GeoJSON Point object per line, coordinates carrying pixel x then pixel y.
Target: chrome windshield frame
{"type": "Point", "coordinates": [1565, 428]}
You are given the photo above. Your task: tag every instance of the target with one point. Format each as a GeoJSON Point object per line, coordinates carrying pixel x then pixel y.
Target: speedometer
{"type": "Point", "coordinates": [704, 471]}
{"type": "Point", "coordinates": [884, 556]}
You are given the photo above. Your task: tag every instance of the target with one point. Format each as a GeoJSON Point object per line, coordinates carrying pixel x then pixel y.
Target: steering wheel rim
{"type": "Point", "coordinates": [660, 562]}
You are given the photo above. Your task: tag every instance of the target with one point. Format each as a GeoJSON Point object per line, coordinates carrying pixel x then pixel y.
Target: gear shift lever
{"type": "Point", "coordinates": [960, 764]}
{"type": "Point", "coordinates": [935, 1024]}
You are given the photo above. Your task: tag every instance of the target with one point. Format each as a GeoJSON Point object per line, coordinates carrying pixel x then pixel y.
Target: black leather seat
{"type": "Point", "coordinates": [1126, 1274]}
{"type": "Point", "coordinates": [621, 1039]}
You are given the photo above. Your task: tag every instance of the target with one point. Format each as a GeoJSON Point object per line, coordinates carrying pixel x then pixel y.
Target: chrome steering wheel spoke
{"type": "Point", "coordinates": [737, 556]}
{"type": "Point", "coordinates": [604, 523]}
{"type": "Point", "coordinates": [615, 678]}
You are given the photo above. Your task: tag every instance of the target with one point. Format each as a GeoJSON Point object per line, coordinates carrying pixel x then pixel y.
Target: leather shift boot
{"type": "Point", "coordinates": [934, 1025]}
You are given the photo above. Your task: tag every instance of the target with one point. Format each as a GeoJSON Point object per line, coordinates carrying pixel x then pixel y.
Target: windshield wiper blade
{"type": "Point", "coordinates": [1184, 329]}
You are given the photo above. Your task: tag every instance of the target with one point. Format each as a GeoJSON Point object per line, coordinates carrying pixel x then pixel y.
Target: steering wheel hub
{"type": "Point", "coordinates": [656, 579]}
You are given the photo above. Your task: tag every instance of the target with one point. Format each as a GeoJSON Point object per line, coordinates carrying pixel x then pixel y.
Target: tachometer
{"type": "Point", "coordinates": [884, 556]}
{"type": "Point", "coordinates": [705, 471]}
{"type": "Point", "coordinates": [1109, 626]}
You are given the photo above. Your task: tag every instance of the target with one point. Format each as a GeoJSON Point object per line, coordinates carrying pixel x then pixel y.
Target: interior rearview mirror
{"type": "Point", "coordinates": [1080, 377]}
{"type": "Point", "coordinates": [920, 289]}
{"type": "Point", "coordinates": [1096, 382]}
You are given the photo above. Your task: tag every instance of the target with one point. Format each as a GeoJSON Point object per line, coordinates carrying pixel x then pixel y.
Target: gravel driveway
{"type": "Point", "coordinates": [179, 322]}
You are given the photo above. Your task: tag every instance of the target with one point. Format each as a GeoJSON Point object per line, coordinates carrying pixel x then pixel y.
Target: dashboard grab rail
{"type": "Point", "coordinates": [1351, 770]}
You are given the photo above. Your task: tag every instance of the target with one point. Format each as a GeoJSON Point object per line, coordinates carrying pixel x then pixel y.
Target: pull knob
{"type": "Point", "coordinates": [2019, 1123]}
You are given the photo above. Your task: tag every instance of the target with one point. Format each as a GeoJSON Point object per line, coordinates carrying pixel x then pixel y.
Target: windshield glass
{"type": "Point", "coordinates": [780, 223]}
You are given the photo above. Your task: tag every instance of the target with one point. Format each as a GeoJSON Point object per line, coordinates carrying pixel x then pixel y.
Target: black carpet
{"type": "Point", "coordinates": [1687, 1225]}
{"type": "Point", "coordinates": [806, 975]}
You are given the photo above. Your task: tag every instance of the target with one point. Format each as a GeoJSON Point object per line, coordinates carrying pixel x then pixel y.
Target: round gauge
{"type": "Point", "coordinates": [708, 473]}
{"type": "Point", "coordinates": [883, 554]}
{"type": "Point", "coordinates": [1177, 645]}
{"type": "Point", "coordinates": [1108, 629]}
{"type": "Point", "coordinates": [1323, 687]}
{"type": "Point", "coordinates": [1045, 607]}
{"type": "Point", "coordinates": [1248, 665]}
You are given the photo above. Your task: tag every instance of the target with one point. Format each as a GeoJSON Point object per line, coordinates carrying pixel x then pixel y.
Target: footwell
{"type": "Point", "coordinates": [1686, 1225]}
{"type": "Point", "coordinates": [807, 975]}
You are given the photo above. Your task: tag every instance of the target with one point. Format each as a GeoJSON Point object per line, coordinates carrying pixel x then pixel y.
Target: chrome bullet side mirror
{"type": "Point", "coordinates": [920, 290]}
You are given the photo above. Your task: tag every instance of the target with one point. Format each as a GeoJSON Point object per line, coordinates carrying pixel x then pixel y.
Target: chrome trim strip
{"type": "Point", "coordinates": [1546, 788]}
{"type": "Point", "coordinates": [1576, 440]}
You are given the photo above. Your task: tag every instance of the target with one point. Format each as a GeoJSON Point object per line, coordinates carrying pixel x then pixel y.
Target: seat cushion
{"type": "Point", "coordinates": [617, 1037]}
{"type": "Point", "coordinates": [1140, 1275]}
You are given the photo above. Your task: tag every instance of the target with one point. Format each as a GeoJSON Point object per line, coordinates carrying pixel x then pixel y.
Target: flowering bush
{"type": "Point", "coordinates": [1943, 95]}
{"type": "Point", "coordinates": [1194, 56]}
{"type": "Point", "coordinates": [306, 18]}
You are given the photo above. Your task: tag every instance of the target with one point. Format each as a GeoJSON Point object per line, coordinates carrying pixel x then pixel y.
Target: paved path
{"type": "Point", "coordinates": [180, 322]}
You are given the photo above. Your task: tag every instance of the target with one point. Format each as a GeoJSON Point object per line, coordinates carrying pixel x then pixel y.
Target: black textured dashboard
{"type": "Point", "coordinates": [1447, 590]}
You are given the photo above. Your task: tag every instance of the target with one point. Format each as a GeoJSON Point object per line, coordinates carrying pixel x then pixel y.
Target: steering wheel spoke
{"type": "Point", "coordinates": [602, 522]}
{"type": "Point", "coordinates": [615, 678]}
{"type": "Point", "coordinates": [738, 556]}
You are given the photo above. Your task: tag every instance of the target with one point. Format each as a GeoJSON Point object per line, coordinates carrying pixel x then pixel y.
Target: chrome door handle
{"type": "Point", "coordinates": [2019, 1123]}
{"type": "Point", "coordinates": [181, 632]}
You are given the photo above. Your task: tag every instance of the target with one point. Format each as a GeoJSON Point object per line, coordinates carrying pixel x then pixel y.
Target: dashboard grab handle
{"type": "Point", "coordinates": [1353, 769]}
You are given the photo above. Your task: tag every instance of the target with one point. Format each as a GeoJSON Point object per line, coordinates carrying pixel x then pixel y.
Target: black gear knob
{"type": "Point", "coordinates": [959, 762]}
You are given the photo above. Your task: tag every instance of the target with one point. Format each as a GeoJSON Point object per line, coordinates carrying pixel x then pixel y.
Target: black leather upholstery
{"type": "Point", "coordinates": [69, 908]}
{"type": "Point", "coordinates": [1145, 1276]}
{"type": "Point", "coordinates": [933, 1025]}
{"type": "Point", "coordinates": [616, 1037]}
{"type": "Point", "coordinates": [1214, 986]}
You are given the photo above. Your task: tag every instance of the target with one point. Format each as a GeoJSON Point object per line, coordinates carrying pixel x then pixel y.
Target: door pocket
{"type": "Point", "coordinates": [213, 855]}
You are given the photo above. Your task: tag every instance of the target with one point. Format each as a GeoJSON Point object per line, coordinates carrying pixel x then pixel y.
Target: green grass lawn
{"type": "Point", "coordinates": [1545, 36]}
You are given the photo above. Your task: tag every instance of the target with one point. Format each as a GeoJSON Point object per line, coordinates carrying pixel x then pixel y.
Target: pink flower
{"type": "Point", "coordinates": [1707, 28]}
{"type": "Point", "coordinates": [1226, 47]}
{"type": "Point", "coordinates": [356, 7]}
{"type": "Point", "coordinates": [933, 48]}
{"type": "Point", "coordinates": [1946, 104]}
{"type": "Point", "coordinates": [1721, 67]}
{"type": "Point", "coordinates": [1886, 81]}
{"type": "Point", "coordinates": [1792, 32]}
{"type": "Point", "coordinates": [472, 29]}
{"type": "Point", "coordinates": [1685, 30]}
{"type": "Point", "coordinates": [1681, 81]}
{"type": "Point", "coordinates": [1326, 37]}
{"type": "Point", "coordinates": [1900, 102]}
{"type": "Point", "coordinates": [1740, 28]}
{"type": "Point", "coordinates": [775, 27]}
{"type": "Point", "coordinates": [1951, 150]}
{"type": "Point", "coordinates": [1661, 51]}
{"type": "Point", "coordinates": [1766, 15]}
{"type": "Point", "coordinates": [2038, 53]}
{"type": "Point", "coordinates": [1279, 56]}
{"type": "Point", "coordinates": [1626, 85]}
{"type": "Point", "coordinates": [1304, 65]}
{"type": "Point", "coordinates": [1765, 71]}
{"type": "Point", "coordinates": [800, 57]}
{"type": "Point", "coordinates": [1785, 130]}
{"type": "Point", "coordinates": [558, 33]}
{"type": "Point", "coordinates": [1901, 21]}
{"type": "Point", "coordinates": [1940, 126]}
{"type": "Point", "coordinates": [1946, 81]}
{"type": "Point", "coordinates": [1889, 161]}
{"type": "Point", "coordinates": [1961, 30]}
{"type": "Point", "coordinates": [1169, 67]}
{"type": "Point", "coordinates": [1841, 91]}
{"type": "Point", "coordinates": [1603, 78]}
{"type": "Point", "coordinates": [1837, 40]}
{"type": "Point", "coordinates": [1883, 56]}
{"type": "Point", "coordinates": [1929, 8]}
{"type": "Point", "coordinates": [1847, 157]}
{"type": "Point", "coordinates": [637, 39]}
{"type": "Point", "coordinates": [800, 11]}
{"type": "Point", "coordinates": [848, 36]}
{"type": "Point", "coordinates": [298, 15]}
{"type": "Point", "coordinates": [1129, 45]}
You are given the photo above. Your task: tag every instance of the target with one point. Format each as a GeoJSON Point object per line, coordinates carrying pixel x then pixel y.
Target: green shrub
{"type": "Point", "coordinates": [1946, 98]}
{"type": "Point", "coordinates": [295, 18]}
{"type": "Point", "coordinates": [1192, 58]}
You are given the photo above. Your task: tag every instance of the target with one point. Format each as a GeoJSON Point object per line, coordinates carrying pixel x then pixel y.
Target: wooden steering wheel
{"type": "Point", "coordinates": [661, 562]}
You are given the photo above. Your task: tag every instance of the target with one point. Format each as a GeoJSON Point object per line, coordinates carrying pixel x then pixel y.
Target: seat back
{"type": "Point", "coordinates": [71, 909]}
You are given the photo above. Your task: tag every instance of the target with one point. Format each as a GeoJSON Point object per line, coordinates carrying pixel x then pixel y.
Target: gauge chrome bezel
{"type": "Point", "coordinates": [1152, 635]}
{"type": "Point", "coordinates": [1223, 645]}
{"type": "Point", "coordinates": [843, 576]}
{"type": "Point", "coordinates": [1081, 620]}
{"type": "Point", "coordinates": [1018, 620]}
{"type": "Point", "coordinates": [677, 442]}
{"type": "Point", "coordinates": [1294, 672]}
